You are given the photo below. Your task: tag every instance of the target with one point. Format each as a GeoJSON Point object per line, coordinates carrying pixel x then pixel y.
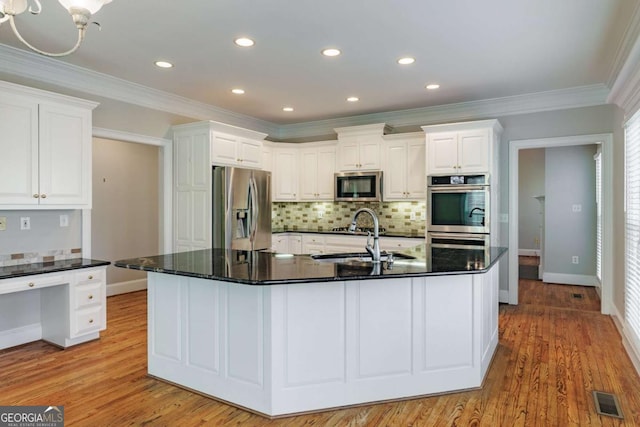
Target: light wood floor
{"type": "Point", "coordinates": [548, 362]}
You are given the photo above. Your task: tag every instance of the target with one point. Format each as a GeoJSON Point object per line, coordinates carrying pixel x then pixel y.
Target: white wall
{"type": "Point", "coordinates": [530, 184]}
{"type": "Point", "coordinates": [570, 182]}
{"type": "Point", "coordinates": [45, 233]}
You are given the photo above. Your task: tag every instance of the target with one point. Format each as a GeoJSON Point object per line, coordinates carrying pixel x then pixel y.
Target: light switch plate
{"type": "Point", "coordinates": [3, 223]}
{"type": "Point", "coordinates": [25, 223]}
{"type": "Point", "coordinates": [64, 220]}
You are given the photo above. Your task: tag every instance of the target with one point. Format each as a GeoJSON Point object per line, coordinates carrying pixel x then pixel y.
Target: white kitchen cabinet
{"type": "Point", "coordinates": [72, 306]}
{"type": "Point", "coordinates": [467, 147]}
{"type": "Point", "coordinates": [46, 150]}
{"type": "Point", "coordinates": [404, 171]}
{"type": "Point", "coordinates": [285, 173]}
{"type": "Point", "coordinates": [359, 147]}
{"type": "Point", "coordinates": [280, 243]}
{"type": "Point", "coordinates": [295, 244]}
{"type": "Point", "coordinates": [313, 244]}
{"type": "Point", "coordinates": [194, 145]}
{"type": "Point", "coordinates": [231, 150]}
{"type": "Point", "coordinates": [317, 167]}
{"type": "Point", "coordinates": [267, 157]}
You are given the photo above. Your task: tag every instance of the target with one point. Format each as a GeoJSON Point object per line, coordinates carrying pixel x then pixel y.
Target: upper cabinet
{"type": "Point", "coordinates": [466, 147]}
{"type": "Point", "coordinates": [404, 171]}
{"type": "Point", "coordinates": [317, 166]}
{"type": "Point", "coordinates": [45, 141]}
{"type": "Point", "coordinates": [359, 147]}
{"type": "Point", "coordinates": [285, 173]}
{"type": "Point", "coordinates": [230, 150]}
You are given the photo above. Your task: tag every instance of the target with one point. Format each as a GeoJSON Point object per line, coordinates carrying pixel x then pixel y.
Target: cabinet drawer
{"type": "Point", "coordinates": [88, 320]}
{"type": "Point", "coordinates": [88, 294]}
{"type": "Point", "coordinates": [8, 286]}
{"type": "Point", "coordinates": [89, 276]}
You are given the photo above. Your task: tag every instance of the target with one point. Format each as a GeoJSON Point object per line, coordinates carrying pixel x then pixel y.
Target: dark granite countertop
{"type": "Point", "coordinates": [266, 268]}
{"type": "Point", "coordinates": [346, 233]}
{"type": "Point", "coordinates": [49, 267]}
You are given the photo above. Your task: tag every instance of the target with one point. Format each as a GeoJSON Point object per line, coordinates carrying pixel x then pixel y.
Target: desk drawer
{"type": "Point", "coordinates": [84, 276]}
{"type": "Point", "coordinates": [88, 294]}
{"type": "Point", "coordinates": [88, 320]}
{"type": "Point", "coordinates": [8, 286]}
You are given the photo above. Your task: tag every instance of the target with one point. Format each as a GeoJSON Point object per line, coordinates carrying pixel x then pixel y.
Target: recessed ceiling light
{"type": "Point", "coordinates": [238, 91]}
{"type": "Point", "coordinates": [331, 51]}
{"type": "Point", "coordinates": [406, 60]}
{"type": "Point", "coordinates": [288, 109]}
{"type": "Point", "coordinates": [432, 86]}
{"type": "Point", "coordinates": [244, 42]}
{"type": "Point", "coordinates": [353, 99]}
{"type": "Point", "coordinates": [163, 64]}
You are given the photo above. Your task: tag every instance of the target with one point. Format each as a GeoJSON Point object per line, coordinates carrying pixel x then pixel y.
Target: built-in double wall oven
{"type": "Point", "coordinates": [458, 210]}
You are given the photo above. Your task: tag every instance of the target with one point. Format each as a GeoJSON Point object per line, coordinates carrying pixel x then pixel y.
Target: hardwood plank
{"type": "Point", "coordinates": [548, 361]}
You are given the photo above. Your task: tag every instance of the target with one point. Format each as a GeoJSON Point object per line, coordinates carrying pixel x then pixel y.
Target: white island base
{"type": "Point", "coordinates": [283, 349]}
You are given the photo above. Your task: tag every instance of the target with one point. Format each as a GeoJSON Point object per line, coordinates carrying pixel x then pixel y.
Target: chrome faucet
{"type": "Point", "coordinates": [374, 250]}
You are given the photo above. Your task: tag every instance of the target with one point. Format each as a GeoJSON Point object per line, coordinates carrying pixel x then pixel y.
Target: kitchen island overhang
{"type": "Point", "coordinates": [322, 342]}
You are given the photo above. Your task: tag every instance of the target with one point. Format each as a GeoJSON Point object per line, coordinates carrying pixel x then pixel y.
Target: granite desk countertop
{"type": "Point", "coordinates": [13, 271]}
{"type": "Point", "coordinates": [266, 268]}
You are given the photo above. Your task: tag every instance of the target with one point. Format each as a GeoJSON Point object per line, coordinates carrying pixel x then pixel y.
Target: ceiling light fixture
{"type": "Point", "coordinates": [164, 64]}
{"type": "Point", "coordinates": [238, 91]}
{"type": "Point", "coordinates": [432, 86]}
{"type": "Point", "coordinates": [331, 51]}
{"type": "Point", "coordinates": [288, 109]}
{"type": "Point", "coordinates": [80, 11]}
{"type": "Point", "coordinates": [406, 60]}
{"type": "Point", "coordinates": [353, 99]}
{"type": "Point", "coordinates": [244, 42]}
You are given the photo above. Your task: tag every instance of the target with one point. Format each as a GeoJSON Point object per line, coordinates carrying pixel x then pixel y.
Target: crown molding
{"type": "Point", "coordinates": [581, 96]}
{"type": "Point", "coordinates": [129, 137]}
{"type": "Point", "coordinates": [625, 90]}
{"type": "Point", "coordinates": [30, 65]}
{"type": "Point", "coordinates": [631, 34]}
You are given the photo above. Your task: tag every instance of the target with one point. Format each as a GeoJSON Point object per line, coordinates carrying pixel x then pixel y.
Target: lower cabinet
{"type": "Point", "coordinates": [72, 307]}
{"type": "Point", "coordinates": [322, 243]}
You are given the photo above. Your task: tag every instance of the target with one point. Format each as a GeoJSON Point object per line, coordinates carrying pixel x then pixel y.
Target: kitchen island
{"type": "Point", "coordinates": [281, 334]}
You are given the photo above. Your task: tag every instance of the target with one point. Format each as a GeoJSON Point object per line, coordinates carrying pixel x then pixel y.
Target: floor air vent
{"type": "Point", "coordinates": [578, 296]}
{"type": "Point", "coordinates": [607, 404]}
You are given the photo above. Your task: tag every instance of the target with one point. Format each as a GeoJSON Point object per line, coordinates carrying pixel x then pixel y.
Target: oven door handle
{"type": "Point", "coordinates": [458, 188]}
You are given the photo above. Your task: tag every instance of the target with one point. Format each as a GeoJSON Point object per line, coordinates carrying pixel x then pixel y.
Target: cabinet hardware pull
{"type": "Point", "coordinates": [35, 196]}
{"type": "Point", "coordinates": [90, 296]}
{"type": "Point", "coordinates": [31, 284]}
{"type": "Point", "coordinates": [90, 320]}
{"type": "Point", "coordinates": [90, 277]}
{"type": "Point", "coordinates": [43, 196]}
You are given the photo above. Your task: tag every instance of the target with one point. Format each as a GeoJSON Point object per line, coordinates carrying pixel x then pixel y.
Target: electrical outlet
{"type": "Point", "coordinates": [320, 214]}
{"type": "Point", "coordinates": [3, 223]}
{"type": "Point", "coordinates": [412, 216]}
{"type": "Point", "coordinates": [575, 259]}
{"type": "Point", "coordinates": [576, 208]}
{"type": "Point", "coordinates": [25, 223]}
{"type": "Point", "coordinates": [64, 220]}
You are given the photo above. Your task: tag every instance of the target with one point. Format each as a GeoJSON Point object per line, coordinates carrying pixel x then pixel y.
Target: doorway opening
{"type": "Point", "coordinates": [605, 255]}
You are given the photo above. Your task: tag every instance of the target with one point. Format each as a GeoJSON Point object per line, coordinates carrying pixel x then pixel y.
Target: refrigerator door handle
{"type": "Point", "coordinates": [253, 191]}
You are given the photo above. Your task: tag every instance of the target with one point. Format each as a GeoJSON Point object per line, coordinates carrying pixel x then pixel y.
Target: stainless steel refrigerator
{"type": "Point", "coordinates": [241, 208]}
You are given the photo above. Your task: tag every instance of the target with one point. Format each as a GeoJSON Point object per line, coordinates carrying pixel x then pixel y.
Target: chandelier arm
{"type": "Point", "coordinates": [42, 52]}
{"type": "Point", "coordinates": [36, 11]}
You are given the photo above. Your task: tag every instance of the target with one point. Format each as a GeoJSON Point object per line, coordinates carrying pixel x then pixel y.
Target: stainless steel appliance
{"type": "Point", "coordinates": [241, 206]}
{"type": "Point", "coordinates": [358, 186]}
{"type": "Point", "coordinates": [458, 204]}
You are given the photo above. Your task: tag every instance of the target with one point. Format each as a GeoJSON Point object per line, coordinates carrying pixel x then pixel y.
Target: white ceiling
{"type": "Point", "coordinates": [474, 49]}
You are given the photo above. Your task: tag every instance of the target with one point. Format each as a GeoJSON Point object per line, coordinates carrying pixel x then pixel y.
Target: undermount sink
{"type": "Point", "coordinates": [355, 257]}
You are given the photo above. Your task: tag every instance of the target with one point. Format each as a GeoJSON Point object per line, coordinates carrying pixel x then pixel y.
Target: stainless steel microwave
{"type": "Point", "coordinates": [358, 186]}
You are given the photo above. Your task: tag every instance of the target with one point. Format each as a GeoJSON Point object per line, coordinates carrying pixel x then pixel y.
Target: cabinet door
{"type": "Point", "coordinates": [285, 174]}
{"type": "Point", "coordinates": [326, 170]}
{"type": "Point", "coordinates": [19, 151]}
{"type": "Point", "coordinates": [369, 153]}
{"type": "Point", "coordinates": [442, 153]}
{"type": "Point", "coordinates": [348, 158]}
{"type": "Point", "coordinates": [224, 149]}
{"type": "Point", "coordinates": [280, 243]}
{"type": "Point", "coordinates": [308, 174]}
{"type": "Point", "coordinates": [313, 244]}
{"type": "Point", "coordinates": [65, 155]}
{"type": "Point", "coordinates": [416, 170]}
{"type": "Point", "coordinates": [473, 151]}
{"type": "Point", "coordinates": [250, 153]}
{"type": "Point", "coordinates": [395, 171]}
{"type": "Point", "coordinates": [267, 158]}
{"type": "Point", "coordinates": [295, 244]}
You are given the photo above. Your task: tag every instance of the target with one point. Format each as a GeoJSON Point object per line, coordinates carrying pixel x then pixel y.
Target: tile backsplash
{"type": "Point", "coordinates": [395, 217]}
{"type": "Point", "coordinates": [8, 260]}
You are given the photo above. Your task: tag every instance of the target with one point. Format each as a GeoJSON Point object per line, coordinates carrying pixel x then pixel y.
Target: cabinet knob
{"type": "Point", "coordinates": [31, 284]}
{"type": "Point", "coordinates": [35, 196]}
{"type": "Point", "coordinates": [90, 320]}
{"type": "Point", "coordinates": [90, 296]}
{"type": "Point", "coordinates": [90, 277]}
{"type": "Point", "coordinates": [43, 196]}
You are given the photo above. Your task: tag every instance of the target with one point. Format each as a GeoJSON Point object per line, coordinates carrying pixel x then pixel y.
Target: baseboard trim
{"type": "Point", "coordinates": [126, 287]}
{"type": "Point", "coordinates": [503, 296]}
{"type": "Point", "coordinates": [570, 279]}
{"type": "Point", "coordinates": [632, 350]}
{"type": "Point", "coordinates": [529, 252]}
{"type": "Point", "coordinates": [617, 319]}
{"type": "Point", "coordinates": [21, 335]}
